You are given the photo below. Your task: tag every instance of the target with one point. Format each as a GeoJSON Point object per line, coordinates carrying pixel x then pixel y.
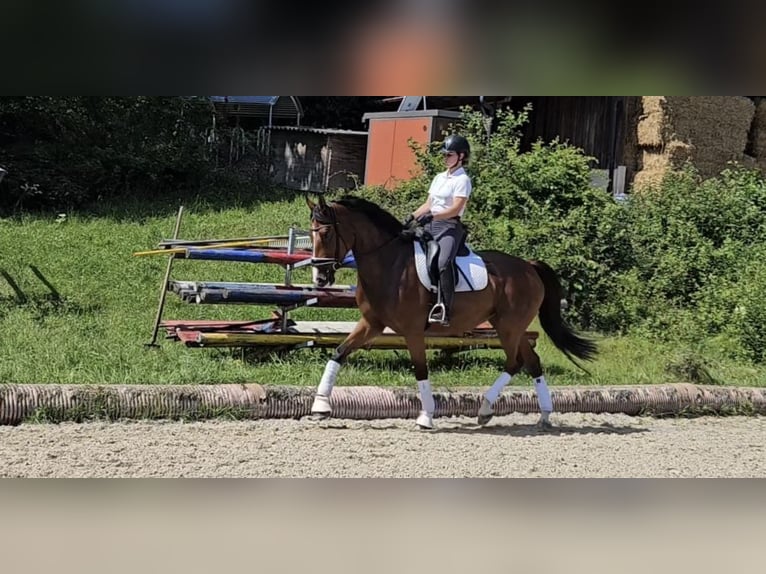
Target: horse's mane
{"type": "Point", "coordinates": [376, 214]}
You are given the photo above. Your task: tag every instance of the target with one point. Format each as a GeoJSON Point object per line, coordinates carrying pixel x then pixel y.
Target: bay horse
{"type": "Point", "coordinates": [390, 294]}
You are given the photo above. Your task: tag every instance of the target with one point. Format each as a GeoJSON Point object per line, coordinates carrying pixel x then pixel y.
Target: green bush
{"type": "Point", "coordinates": [66, 151]}
{"type": "Point", "coordinates": [697, 252]}
{"type": "Point", "coordinates": [749, 315]}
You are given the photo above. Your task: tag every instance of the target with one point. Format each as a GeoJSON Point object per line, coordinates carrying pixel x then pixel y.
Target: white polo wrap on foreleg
{"type": "Point", "coordinates": [328, 378]}
{"type": "Point", "coordinates": [494, 392]}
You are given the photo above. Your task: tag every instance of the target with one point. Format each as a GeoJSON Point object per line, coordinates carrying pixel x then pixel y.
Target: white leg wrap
{"type": "Point", "coordinates": [543, 395]}
{"type": "Point", "coordinates": [426, 397]}
{"type": "Point", "coordinates": [328, 379]}
{"type": "Point", "coordinates": [494, 392]}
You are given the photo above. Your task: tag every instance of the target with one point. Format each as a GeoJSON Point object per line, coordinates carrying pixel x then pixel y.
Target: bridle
{"type": "Point", "coordinates": [337, 263]}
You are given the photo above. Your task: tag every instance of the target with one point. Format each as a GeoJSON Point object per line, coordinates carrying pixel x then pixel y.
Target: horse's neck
{"type": "Point", "coordinates": [380, 264]}
{"type": "Point", "coordinates": [370, 243]}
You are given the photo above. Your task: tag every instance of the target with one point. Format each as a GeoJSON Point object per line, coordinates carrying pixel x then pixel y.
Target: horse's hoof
{"type": "Point", "coordinates": [425, 422]}
{"type": "Point", "coordinates": [485, 413]}
{"type": "Point", "coordinates": [321, 408]}
{"type": "Point", "coordinates": [483, 420]}
{"type": "Point", "coordinates": [319, 417]}
{"type": "Point", "coordinates": [544, 425]}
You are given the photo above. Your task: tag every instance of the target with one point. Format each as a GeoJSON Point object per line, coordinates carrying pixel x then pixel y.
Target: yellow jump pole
{"type": "Point", "coordinates": [335, 339]}
{"type": "Point", "coordinates": [177, 250]}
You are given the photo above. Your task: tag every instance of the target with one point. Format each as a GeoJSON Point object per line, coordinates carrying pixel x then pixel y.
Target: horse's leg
{"type": "Point", "coordinates": [417, 347]}
{"type": "Point", "coordinates": [364, 331]}
{"type": "Point", "coordinates": [510, 341]}
{"type": "Point", "coordinates": [534, 368]}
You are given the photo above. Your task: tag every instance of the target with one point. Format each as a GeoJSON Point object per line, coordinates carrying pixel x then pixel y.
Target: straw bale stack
{"type": "Point", "coordinates": [708, 131]}
{"type": "Point", "coordinates": [654, 122]}
{"type": "Point", "coordinates": [656, 163]}
{"type": "Point", "coordinates": [717, 126]}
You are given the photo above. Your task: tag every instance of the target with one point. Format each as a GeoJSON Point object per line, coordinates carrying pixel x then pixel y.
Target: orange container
{"type": "Point", "coordinates": [389, 157]}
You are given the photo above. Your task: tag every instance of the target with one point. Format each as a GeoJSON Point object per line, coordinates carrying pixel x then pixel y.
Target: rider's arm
{"type": "Point", "coordinates": [453, 211]}
{"type": "Point", "coordinates": [423, 209]}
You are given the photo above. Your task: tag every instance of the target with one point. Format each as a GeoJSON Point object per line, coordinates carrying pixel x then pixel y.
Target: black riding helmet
{"type": "Point", "coordinates": [458, 144]}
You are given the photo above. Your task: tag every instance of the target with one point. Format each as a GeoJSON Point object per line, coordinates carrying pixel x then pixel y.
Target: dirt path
{"type": "Point", "coordinates": [581, 446]}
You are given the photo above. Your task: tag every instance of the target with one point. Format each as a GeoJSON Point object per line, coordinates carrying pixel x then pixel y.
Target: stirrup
{"type": "Point", "coordinates": [438, 314]}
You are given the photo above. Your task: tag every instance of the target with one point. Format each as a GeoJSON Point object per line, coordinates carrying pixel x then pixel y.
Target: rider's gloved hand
{"type": "Point", "coordinates": [425, 219]}
{"type": "Point", "coordinates": [409, 220]}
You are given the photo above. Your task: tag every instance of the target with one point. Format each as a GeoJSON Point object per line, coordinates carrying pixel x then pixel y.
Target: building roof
{"type": "Point", "coordinates": [449, 102]}
{"type": "Point", "coordinates": [328, 131]}
{"type": "Point", "coordinates": [261, 106]}
{"type": "Point", "coordinates": [262, 100]}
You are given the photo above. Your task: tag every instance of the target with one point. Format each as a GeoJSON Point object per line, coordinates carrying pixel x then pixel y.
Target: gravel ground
{"type": "Point", "coordinates": [581, 445]}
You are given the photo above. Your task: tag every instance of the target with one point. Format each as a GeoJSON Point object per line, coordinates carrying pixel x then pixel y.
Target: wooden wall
{"type": "Point", "coordinates": [597, 124]}
{"type": "Point", "coordinates": [311, 160]}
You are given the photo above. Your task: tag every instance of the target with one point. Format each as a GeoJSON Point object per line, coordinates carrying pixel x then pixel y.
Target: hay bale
{"type": "Point", "coordinates": [653, 104]}
{"type": "Point", "coordinates": [717, 126]}
{"type": "Point", "coordinates": [647, 178]}
{"type": "Point", "coordinates": [652, 168]}
{"type": "Point", "coordinates": [655, 164]}
{"type": "Point", "coordinates": [653, 122]}
{"type": "Point", "coordinates": [708, 131]}
{"type": "Point", "coordinates": [654, 161]}
{"type": "Point", "coordinates": [672, 156]}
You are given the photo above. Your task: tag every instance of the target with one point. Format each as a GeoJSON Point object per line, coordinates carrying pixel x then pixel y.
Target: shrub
{"type": "Point", "coordinates": [63, 152]}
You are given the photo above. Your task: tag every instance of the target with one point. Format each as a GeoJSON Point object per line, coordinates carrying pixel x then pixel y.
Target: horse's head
{"type": "Point", "coordinates": [330, 248]}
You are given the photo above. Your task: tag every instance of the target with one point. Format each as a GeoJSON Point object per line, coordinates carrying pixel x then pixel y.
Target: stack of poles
{"type": "Point", "coordinates": [291, 252]}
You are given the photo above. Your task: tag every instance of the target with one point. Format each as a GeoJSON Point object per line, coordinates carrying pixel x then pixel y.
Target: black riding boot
{"type": "Point", "coordinates": [442, 313]}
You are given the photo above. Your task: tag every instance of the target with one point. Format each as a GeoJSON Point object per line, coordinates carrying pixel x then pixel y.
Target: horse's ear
{"type": "Point", "coordinates": [322, 202]}
{"type": "Point", "coordinates": [310, 203]}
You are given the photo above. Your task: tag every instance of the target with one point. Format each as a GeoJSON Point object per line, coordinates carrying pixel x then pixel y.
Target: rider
{"type": "Point", "coordinates": [440, 215]}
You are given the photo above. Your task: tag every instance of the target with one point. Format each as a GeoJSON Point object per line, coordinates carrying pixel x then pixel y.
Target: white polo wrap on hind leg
{"type": "Point", "coordinates": [494, 392]}
{"type": "Point", "coordinates": [543, 395]}
{"type": "Point", "coordinates": [328, 378]}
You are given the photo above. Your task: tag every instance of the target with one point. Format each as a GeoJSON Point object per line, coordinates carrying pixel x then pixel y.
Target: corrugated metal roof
{"type": "Point", "coordinates": [319, 130]}
{"type": "Point", "coordinates": [272, 107]}
{"type": "Point", "coordinates": [262, 100]}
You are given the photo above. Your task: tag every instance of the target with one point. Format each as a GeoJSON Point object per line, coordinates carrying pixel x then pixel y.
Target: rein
{"type": "Point", "coordinates": [337, 262]}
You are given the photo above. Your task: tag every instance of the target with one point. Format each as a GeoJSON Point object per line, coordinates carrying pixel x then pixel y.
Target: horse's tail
{"type": "Point", "coordinates": [563, 336]}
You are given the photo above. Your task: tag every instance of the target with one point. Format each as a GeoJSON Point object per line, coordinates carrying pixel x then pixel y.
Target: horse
{"type": "Point", "coordinates": [391, 293]}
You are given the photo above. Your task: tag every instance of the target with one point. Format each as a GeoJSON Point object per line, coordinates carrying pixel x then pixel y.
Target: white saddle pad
{"type": "Point", "coordinates": [470, 266]}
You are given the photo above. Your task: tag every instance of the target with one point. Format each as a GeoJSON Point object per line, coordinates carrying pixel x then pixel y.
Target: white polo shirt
{"type": "Point", "coordinates": [446, 187]}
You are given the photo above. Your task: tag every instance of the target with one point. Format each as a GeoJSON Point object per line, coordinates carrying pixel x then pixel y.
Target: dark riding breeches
{"type": "Point", "coordinates": [449, 233]}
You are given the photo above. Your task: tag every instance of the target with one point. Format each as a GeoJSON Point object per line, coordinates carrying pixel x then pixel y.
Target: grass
{"type": "Point", "coordinates": [94, 331]}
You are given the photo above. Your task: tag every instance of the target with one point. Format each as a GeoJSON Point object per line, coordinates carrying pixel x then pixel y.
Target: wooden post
{"type": "Point", "coordinates": [164, 287]}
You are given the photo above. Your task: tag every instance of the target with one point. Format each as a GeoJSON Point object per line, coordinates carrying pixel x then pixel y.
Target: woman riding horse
{"type": "Point", "coordinates": [441, 216]}
{"type": "Point", "coordinates": [390, 294]}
